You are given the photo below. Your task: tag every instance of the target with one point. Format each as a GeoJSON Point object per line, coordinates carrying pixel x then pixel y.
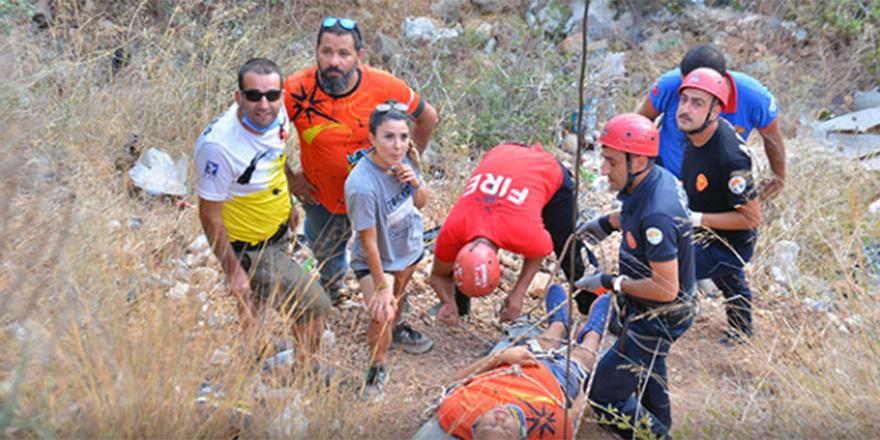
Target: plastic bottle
{"type": "Point", "coordinates": [280, 360]}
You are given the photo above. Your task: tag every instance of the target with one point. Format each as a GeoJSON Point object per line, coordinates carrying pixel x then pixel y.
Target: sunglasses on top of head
{"type": "Point", "coordinates": [346, 23]}
{"type": "Point", "coordinates": [386, 107]}
{"type": "Point", "coordinates": [257, 96]}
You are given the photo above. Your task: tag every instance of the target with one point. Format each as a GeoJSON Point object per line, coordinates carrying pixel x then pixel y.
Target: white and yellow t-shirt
{"type": "Point", "coordinates": [246, 172]}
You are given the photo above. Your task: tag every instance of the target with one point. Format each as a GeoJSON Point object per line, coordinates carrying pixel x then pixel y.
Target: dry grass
{"type": "Point", "coordinates": [83, 358]}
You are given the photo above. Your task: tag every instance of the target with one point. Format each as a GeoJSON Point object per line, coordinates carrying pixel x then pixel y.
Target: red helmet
{"type": "Point", "coordinates": [631, 133]}
{"type": "Point", "coordinates": [709, 81]}
{"type": "Point", "coordinates": [477, 271]}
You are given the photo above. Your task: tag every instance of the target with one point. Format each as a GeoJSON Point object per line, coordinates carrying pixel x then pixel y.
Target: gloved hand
{"type": "Point", "coordinates": [595, 230]}
{"type": "Point", "coordinates": [597, 283]}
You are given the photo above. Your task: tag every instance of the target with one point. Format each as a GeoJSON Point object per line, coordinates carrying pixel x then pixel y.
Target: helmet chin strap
{"type": "Point", "coordinates": [630, 176]}
{"type": "Point", "coordinates": [707, 122]}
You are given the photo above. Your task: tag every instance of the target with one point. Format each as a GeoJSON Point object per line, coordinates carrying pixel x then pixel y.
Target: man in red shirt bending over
{"type": "Point", "coordinates": [520, 199]}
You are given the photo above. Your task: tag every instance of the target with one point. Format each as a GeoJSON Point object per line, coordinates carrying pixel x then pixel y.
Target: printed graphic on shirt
{"type": "Point", "coordinates": [654, 236]}
{"type": "Point", "coordinates": [496, 186]}
{"type": "Point", "coordinates": [333, 130]}
{"type": "Point", "coordinates": [702, 182]}
{"type": "Point", "coordinates": [211, 170]}
{"type": "Point", "coordinates": [630, 240]}
{"type": "Point", "coordinates": [737, 184]}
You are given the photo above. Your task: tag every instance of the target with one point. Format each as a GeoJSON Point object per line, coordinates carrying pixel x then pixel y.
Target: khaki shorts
{"type": "Point", "coordinates": [279, 281]}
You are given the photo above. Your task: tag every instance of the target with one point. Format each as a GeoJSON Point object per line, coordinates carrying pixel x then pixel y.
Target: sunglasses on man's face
{"type": "Point", "coordinates": [346, 23]}
{"type": "Point", "coordinates": [257, 96]}
{"type": "Point", "coordinates": [385, 108]}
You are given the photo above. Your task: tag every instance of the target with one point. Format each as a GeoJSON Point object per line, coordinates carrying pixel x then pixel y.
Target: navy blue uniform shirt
{"type": "Point", "coordinates": [655, 224]}
{"type": "Point", "coordinates": [718, 178]}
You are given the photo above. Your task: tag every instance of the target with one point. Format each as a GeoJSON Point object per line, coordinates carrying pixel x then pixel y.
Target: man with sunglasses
{"type": "Point", "coordinates": [330, 105]}
{"type": "Point", "coordinates": [246, 212]}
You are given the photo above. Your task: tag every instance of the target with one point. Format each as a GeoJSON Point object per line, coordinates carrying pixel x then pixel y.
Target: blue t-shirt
{"type": "Point", "coordinates": [656, 226]}
{"type": "Point", "coordinates": [751, 106]}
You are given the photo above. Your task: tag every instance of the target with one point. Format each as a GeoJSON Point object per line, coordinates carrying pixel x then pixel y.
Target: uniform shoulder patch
{"type": "Point", "coordinates": [737, 184]}
{"type": "Point", "coordinates": [654, 236]}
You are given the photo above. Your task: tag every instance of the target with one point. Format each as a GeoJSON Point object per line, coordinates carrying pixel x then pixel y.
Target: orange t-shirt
{"type": "Point", "coordinates": [334, 130]}
{"type": "Point", "coordinates": [537, 394]}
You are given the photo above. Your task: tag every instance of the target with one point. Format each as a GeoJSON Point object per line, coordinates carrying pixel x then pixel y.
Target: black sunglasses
{"type": "Point", "coordinates": [257, 96]}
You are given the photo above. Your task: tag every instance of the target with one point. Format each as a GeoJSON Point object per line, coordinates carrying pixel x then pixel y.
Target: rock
{"type": "Point", "coordinates": [204, 275]}
{"type": "Point", "coordinates": [292, 422]}
{"type": "Point", "coordinates": [539, 283]}
{"type": "Point", "coordinates": [419, 29]}
{"type": "Point", "coordinates": [570, 143]}
{"type": "Point", "coordinates": [874, 209]}
{"type": "Point", "coordinates": [448, 10]}
{"type": "Point", "coordinates": [758, 68]}
{"type": "Point", "coordinates": [386, 47]}
{"type": "Point", "coordinates": [864, 100]}
{"type": "Point", "coordinates": [660, 43]}
{"type": "Point", "coordinates": [200, 244]}
{"type": "Point", "coordinates": [485, 6]}
{"type": "Point", "coordinates": [572, 44]}
{"type": "Point", "coordinates": [113, 226]}
{"type": "Point", "coordinates": [179, 291]}
{"type": "Point", "coordinates": [600, 20]}
{"type": "Point", "coordinates": [41, 15]}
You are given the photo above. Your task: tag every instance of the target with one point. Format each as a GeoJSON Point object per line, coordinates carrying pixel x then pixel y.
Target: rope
{"type": "Point", "coordinates": [645, 387]}
{"type": "Point", "coordinates": [574, 216]}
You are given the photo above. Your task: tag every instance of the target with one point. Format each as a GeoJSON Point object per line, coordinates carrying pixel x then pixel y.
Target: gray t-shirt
{"type": "Point", "coordinates": [375, 198]}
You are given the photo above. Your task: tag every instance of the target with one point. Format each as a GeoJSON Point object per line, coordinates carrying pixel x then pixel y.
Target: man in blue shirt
{"type": "Point", "coordinates": [750, 106]}
{"type": "Point", "coordinates": [656, 282]}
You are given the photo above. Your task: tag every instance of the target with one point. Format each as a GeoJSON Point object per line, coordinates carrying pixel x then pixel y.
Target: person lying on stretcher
{"type": "Point", "coordinates": [518, 393]}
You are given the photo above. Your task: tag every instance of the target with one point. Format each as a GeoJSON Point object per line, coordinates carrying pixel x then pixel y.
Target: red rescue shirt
{"type": "Point", "coordinates": [503, 201]}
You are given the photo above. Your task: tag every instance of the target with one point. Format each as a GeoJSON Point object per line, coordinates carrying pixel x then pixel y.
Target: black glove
{"type": "Point", "coordinates": [596, 229]}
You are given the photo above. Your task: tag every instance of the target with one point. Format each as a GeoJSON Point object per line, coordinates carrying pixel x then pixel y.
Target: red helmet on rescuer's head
{"type": "Point", "coordinates": [709, 81]}
{"type": "Point", "coordinates": [476, 271]}
{"type": "Point", "coordinates": [631, 133]}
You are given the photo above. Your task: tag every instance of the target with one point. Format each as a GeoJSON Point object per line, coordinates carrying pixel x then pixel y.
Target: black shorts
{"type": "Point", "coordinates": [360, 273]}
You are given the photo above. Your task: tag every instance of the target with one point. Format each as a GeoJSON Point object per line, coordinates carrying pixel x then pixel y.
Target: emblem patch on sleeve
{"type": "Point", "coordinates": [737, 184]}
{"type": "Point", "coordinates": [654, 236]}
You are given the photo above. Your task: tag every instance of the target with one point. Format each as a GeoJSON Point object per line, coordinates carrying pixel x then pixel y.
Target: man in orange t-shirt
{"type": "Point", "coordinates": [330, 105]}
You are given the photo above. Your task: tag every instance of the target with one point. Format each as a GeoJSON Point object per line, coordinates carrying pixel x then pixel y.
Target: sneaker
{"type": "Point", "coordinates": [410, 339]}
{"type": "Point", "coordinates": [555, 297]}
{"type": "Point", "coordinates": [337, 294]}
{"type": "Point", "coordinates": [733, 338]}
{"type": "Point", "coordinates": [596, 319]}
{"type": "Point", "coordinates": [374, 384]}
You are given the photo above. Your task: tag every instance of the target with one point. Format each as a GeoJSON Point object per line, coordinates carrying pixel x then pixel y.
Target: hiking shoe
{"type": "Point", "coordinates": [337, 294]}
{"type": "Point", "coordinates": [555, 297]}
{"type": "Point", "coordinates": [410, 339]}
{"type": "Point", "coordinates": [374, 384]}
{"type": "Point", "coordinates": [733, 338]}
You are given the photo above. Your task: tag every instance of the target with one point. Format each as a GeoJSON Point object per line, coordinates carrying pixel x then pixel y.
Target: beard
{"type": "Point", "coordinates": [334, 85]}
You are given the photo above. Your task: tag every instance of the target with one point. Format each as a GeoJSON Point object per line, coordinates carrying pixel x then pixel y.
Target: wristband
{"type": "Point", "coordinates": [605, 224]}
{"type": "Point", "coordinates": [384, 286]}
{"type": "Point", "coordinates": [618, 281]}
{"type": "Point", "coordinates": [696, 219]}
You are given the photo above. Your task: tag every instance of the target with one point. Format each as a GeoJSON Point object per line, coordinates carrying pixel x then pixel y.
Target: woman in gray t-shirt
{"type": "Point", "coordinates": [383, 195]}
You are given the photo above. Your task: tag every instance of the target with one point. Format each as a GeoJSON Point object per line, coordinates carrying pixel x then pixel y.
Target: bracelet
{"type": "Point", "coordinates": [384, 286]}
{"type": "Point", "coordinates": [618, 281]}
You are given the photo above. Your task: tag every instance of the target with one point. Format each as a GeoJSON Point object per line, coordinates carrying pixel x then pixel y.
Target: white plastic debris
{"type": "Point", "coordinates": [784, 268]}
{"type": "Point", "coordinates": [157, 174]}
